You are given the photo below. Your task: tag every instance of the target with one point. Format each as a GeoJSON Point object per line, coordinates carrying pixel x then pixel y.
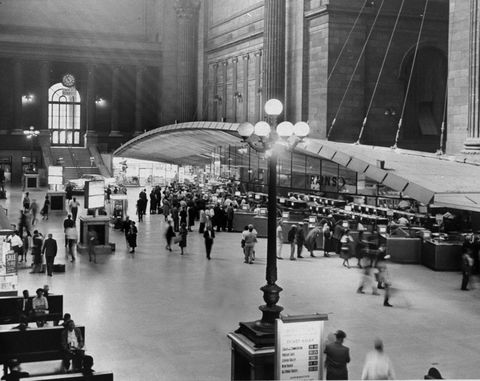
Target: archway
{"type": "Point", "coordinates": [425, 104]}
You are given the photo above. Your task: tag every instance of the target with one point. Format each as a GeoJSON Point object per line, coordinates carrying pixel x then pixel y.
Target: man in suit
{"type": "Point", "coordinates": [338, 356]}
{"type": "Point", "coordinates": [50, 251]}
{"type": "Point", "coordinates": [72, 345]}
{"type": "Point", "coordinates": [25, 304]}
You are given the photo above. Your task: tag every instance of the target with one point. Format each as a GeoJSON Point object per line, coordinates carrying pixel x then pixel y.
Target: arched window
{"type": "Point", "coordinates": [64, 115]}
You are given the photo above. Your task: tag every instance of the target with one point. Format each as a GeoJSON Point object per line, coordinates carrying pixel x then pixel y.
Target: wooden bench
{"type": "Point", "coordinates": [32, 345]}
{"type": "Point", "coordinates": [99, 376]}
{"type": "Point", "coordinates": [10, 309]}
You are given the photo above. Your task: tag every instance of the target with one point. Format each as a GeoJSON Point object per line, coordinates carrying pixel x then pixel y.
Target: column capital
{"type": "Point", "coordinates": [215, 65]}
{"type": "Point", "coordinates": [235, 59]}
{"type": "Point", "coordinates": [258, 53]}
{"type": "Point", "coordinates": [187, 9]}
{"type": "Point", "coordinates": [246, 57]}
{"type": "Point", "coordinates": [225, 63]}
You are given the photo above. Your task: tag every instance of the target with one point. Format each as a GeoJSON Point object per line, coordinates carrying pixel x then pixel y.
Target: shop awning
{"type": "Point", "coordinates": [429, 178]}
{"type": "Point", "coordinates": [426, 177]}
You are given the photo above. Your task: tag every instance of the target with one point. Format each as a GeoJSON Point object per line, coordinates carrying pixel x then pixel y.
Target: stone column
{"type": "Point", "coordinates": [91, 133]}
{"type": "Point", "coordinates": [245, 87]}
{"type": "Point", "coordinates": [235, 98]}
{"type": "Point", "coordinates": [17, 97]}
{"type": "Point", "coordinates": [43, 96]}
{"type": "Point", "coordinates": [274, 50]}
{"type": "Point", "coordinates": [139, 101]}
{"type": "Point", "coordinates": [224, 91]}
{"type": "Point", "coordinates": [215, 81]}
{"type": "Point", "coordinates": [114, 127]}
{"type": "Point", "coordinates": [472, 142]}
{"type": "Point", "coordinates": [187, 28]}
{"type": "Point", "coordinates": [258, 86]}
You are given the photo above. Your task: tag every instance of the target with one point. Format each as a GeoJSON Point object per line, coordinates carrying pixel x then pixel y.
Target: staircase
{"type": "Point", "coordinates": [76, 161]}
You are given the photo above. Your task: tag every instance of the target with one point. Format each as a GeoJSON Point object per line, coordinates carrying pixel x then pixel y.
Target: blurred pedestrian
{"type": "Point", "coordinates": [292, 233]}
{"type": "Point", "coordinates": [279, 239]}
{"type": "Point", "coordinates": [311, 240]}
{"type": "Point", "coordinates": [466, 267]}
{"type": "Point", "coordinates": [346, 242]}
{"type": "Point", "coordinates": [183, 237]}
{"type": "Point", "coordinates": [92, 242]}
{"type": "Point", "coordinates": [49, 249]}
{"type": "Point", "coordinates": [250, 239]}
{"type": "Point", "coordinates": [377, 364]}
{"type": "Point", "coordinates": [208, 235]}
{"type": "Point", "coordinates": [337, 358]}
{"type": "Point", "coordinates": [37, 244]}
{"type": "Point", "coordinates": [169, 234]}
{"type": "Point", "coordinates": [71, 237]}
{"type": "Point", "coordinates": [34, 211]}
{"type": "Point", "coordinates": [45, 208]}
{"type": "Point", "coordinates": [300, 239]}
{"type": "Point", "coordinates": [132, 236]}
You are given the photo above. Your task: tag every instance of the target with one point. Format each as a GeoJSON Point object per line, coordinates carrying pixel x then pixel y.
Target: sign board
{"type": "Point", "coordinates": [299, 347]}
{"type": "Point", "coordinates": [69, 92]}
{"type": "Point", "coordinates": [55, 175]}
{"type": "Point", "coordinates": [94, 194]}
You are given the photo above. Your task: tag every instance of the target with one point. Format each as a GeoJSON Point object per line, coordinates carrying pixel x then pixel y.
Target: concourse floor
{"type": "Point", "coordinates": [157, 315]}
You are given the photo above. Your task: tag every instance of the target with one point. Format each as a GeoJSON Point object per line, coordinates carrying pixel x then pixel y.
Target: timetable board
{"type": "Point", "coordinates": [299, 347]}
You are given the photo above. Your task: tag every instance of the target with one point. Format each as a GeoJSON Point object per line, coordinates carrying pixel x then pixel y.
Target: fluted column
{"type": "Point", "coordinates": [17, 97]}
{"type": "Point", "coordinates": [274, 50]}
{"type": "Point", "coordinates": [234, 88]}
{"type": "Point", "coordinates": [224, 91]}
{"type": "Point", "coordinates": [139, 101]}
{"type": "Point", "coordinates": [187, 28]}
{"type": "Point", "coordinates": [114, 127]}
{"type": "Point", "coordinates": [91, 105]}
{"type": "Point", "coordinates": [258, 86]}
{"type": "Point", "coordinates": [472, 142]}
{"type": "Point", "coordinates": [215, 81]}
{"type": "Point", "coordinates": [43, 96]}
{"type": "Point", "coordinates": [245, 87]}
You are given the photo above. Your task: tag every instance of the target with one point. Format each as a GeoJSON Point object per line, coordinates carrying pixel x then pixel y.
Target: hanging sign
{"type": "Point", "coordinates": [299, 347]}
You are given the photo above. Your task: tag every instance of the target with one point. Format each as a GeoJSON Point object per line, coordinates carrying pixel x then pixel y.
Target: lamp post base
{"type": "Point", "coordinates": [262, 332]}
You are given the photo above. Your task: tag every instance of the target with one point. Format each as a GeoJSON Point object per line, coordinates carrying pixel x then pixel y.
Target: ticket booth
{"type": "Point", "coordinates": [101, 227]}
{"type": "Point", "coordinates": [57, 200]}
{"type": "Point", "coordinates": [31, 181]}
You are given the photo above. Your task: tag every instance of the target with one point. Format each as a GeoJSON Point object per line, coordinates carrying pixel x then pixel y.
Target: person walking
{"type": "Point", "coordinates": [71, 238]}
{"type": "Point", "coordinates": [327, 236]}
{"type": "Point", "coordinates": [337, 234]}
{"type": "Point", "coordinates": [337, 358]}
{"type": "Point", "coordinates": [292, 233]}
{"type": "Point", "coordinates": [37, 243]}
{"type": "Point", "coordinates": [279, 239]}
{"type": "Point", "coordinates": [92, 242]}
{"type": "Point", "coordinates": [45, 208]}
{"type": "Point", "coordinates": [34, 211]}
{"type": "Point", "coordinates": [176, 219]}
{"type": "Point", "coordinates": [183, 237]}
{"type": "Point", "coordinates": [74, 204]}
{"type": "Point", "coordinates": [300, 239]}
{"type": "Point", "coordinates": [26, 202]}
{"type": "Point", "coordinates": [466, 267]}
{"type": "Point", "coordinates": [132, 236]}
{"type": "Point", "coordinates": [311, 239]}
{"type": "Point", "coordinates": [169, 234]}
{"type": "Point", "coordinates": [67, 224]}
{"type": "Point", "coordinates": [377, 364]}
{"type": "Point", "coordinates": [208, 235]}
{"type": "Point", "coordinates": [230, 216]}
{"type": "Point", "coordinates": [50, 251]}
{"type": "Point", "coordinates": [202, 220]}
{"type": "Point", "coordinates": [384, 280]}
{"type": "Point", "coordinates": [346, 241]}
{"type": "Point", "coordinates": [250, 239]}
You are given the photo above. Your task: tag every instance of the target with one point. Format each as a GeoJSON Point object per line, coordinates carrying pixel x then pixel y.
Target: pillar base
{"type": "Point", "coordinates": [471, 145]}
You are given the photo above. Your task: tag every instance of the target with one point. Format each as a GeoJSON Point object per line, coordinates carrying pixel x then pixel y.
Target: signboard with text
{"type": "Point", "coordinates": [299, 347]}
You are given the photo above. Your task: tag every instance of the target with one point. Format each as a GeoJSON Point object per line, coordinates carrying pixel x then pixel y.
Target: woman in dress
{"type": "Point", "coordinates": [183, 236]}
{"type": "Point", "coordinates": [132, 236]}
{"type": "Point", "coordinates": [345, 249]}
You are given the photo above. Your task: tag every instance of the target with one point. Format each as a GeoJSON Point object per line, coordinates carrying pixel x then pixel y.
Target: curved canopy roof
{"type": "Point", "coordinates": [425, 177]}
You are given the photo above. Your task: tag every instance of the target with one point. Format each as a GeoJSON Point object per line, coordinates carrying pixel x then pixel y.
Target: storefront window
{"type": "Point", "coordinates": [329, 177]}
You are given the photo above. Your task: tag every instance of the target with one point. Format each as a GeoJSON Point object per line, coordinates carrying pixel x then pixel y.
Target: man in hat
{"type": "Point", "coordinates": [337, 358]}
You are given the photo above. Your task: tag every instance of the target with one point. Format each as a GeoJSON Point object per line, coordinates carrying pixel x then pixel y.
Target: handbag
{"type": "Point", "coordinates": [177, 239]}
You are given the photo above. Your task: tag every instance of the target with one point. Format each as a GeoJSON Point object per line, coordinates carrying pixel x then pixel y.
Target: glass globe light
{"type": "Point", "coordinates": [245, 129]}
{"type": "Point", "coordinates": [273, 107]}
{"type": "Point", "coordinates": [262, 129]}
{"type": "Point", "coordinates": [301, 129]}
{"type": "Point", "coordinates": [285, 129]}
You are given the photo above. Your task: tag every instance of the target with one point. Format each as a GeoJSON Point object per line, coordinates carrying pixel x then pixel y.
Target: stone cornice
{"type": "Point", "coordinates": [187, 9]}
{"type": "Point", "coordinates": [80, 51]}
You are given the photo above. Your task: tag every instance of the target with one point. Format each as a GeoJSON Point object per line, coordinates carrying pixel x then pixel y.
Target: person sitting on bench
{"type": "Point", "coordinates": [40, 307]}
{"type": "Point", "coordinates": [25, 304]}
{"type": "Point", "coordinates": [66, 318]}
{"type": "Point", "coordinates": [72, 345]}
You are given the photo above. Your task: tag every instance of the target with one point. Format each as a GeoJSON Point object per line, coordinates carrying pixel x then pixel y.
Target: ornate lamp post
{"type": "Point", "coordinates": [30, 134]}
{"type": "Point", "coordinates": [263, 137]}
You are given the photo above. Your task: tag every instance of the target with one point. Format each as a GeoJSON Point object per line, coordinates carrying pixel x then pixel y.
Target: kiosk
{"type": "Point", "coordinates": [118, 209]}
{"type": "Point", "coordinates": [30, 180]}
{"type": "Point", "coordinates": [57, 200]}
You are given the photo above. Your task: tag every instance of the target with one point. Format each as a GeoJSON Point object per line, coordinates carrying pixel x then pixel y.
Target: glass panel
{"type": "Point", "coordinates": [55, 137]}
{"type": "Point", "coordinates": [329, 176]}
{"type": "Point", "coordinates": [69, 137]}
{"type": "Point", "coordinates": [61, 138]}
{"type": "Point", "coordinates": [347, 181]}
{"type": "Point", "coordinates": [76, 138]}
{"type": "Point", "coordinates": [312, 169]}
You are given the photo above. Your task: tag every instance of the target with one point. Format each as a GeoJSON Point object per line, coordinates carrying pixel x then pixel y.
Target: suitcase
{"type": "Point", "coordinates": [59, 268]}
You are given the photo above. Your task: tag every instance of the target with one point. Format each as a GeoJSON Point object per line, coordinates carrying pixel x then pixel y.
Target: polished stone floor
{"type": "Point", "coordinates": [157, 315]}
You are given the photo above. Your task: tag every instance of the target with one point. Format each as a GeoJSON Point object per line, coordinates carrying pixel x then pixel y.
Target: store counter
{"type": "Point", "coordinates": [404, 250]}
{"type": "Point", "coordinates": [441, 255]}
{"type": "Point", "coordinates": [241, 219]}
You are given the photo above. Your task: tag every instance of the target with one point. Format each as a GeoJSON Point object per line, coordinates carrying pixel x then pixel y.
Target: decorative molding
{"type": "Point", "coordinates": [187, 9]}
{"type": "Point", "coordinates": [243, 12]}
